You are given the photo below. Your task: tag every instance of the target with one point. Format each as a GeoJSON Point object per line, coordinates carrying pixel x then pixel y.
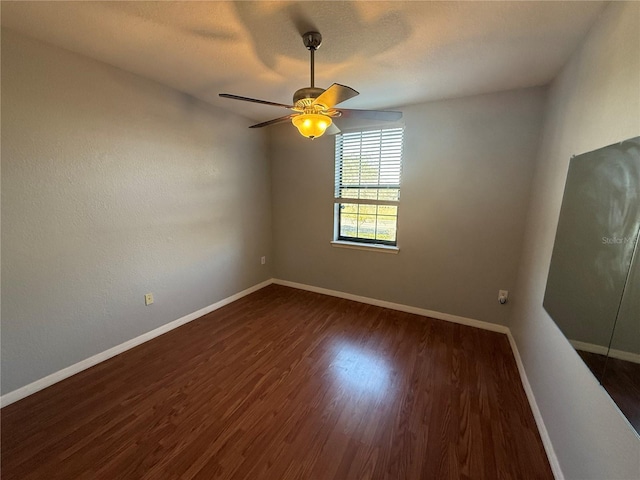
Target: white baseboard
{"type": "Point", "coordinates": [55, 377]}
{"type": "Point", "coordinates": [542, 429]}
{"type": "Point", "coordinates": [602, 350]}
{"type": "Point", "coordinates": [494, 327]}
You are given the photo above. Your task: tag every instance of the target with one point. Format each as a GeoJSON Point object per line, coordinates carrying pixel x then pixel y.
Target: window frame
{"type": "Point", "coordinates": [396, 132]}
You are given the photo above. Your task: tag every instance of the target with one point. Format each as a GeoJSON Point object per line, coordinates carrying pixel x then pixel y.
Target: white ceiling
{"type": "Point", "coordinates": [393, 53]}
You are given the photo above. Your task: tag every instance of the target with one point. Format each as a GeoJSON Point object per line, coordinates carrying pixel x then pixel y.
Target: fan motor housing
{"type": "Point", "coordinates": [307, 92]}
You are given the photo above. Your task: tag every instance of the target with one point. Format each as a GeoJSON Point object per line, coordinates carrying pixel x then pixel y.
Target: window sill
{"type": "Point", "coordinates": [362, 246]}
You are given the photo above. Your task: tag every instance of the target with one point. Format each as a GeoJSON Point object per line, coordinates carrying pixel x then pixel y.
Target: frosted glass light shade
{"type": "Point", "coordinates": [311, 125]}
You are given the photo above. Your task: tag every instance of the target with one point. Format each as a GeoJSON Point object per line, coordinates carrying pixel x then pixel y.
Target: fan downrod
{"type": "Point", "coordinates": [311, 40]}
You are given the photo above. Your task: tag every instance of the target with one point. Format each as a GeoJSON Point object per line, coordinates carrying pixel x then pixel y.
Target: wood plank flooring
{"type": "Point", "coordinates": [286, 384]}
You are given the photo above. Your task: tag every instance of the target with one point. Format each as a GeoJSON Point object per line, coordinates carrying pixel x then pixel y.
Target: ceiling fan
{"type": "Point", "coordinates": [315, 107]}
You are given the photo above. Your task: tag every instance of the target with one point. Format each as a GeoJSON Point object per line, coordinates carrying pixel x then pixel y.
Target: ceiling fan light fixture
{"type": "Point", "coordinates": [311, 125]}
{"type": "Point", "coordinates": [315, 106]}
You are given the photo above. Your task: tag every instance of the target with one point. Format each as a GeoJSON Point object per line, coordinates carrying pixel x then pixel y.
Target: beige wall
{"type": "Point", "coordinates": [593, 103]}
{"type": "Point", "coordinates": [114, 186]}
{"type": "Point", "coordinates": [466, 175]}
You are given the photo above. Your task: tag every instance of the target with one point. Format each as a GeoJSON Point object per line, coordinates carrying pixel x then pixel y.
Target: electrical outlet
{"type": "Point", "coordinates": [148, 299]}
{"type": "Point", "coordinates": [263, 260]}
{"type": "Point", "coordinates": [503, 296]}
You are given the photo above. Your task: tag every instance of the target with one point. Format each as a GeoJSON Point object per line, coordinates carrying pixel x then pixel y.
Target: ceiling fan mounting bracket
{"type": "Point", "coordinates": [312, 40]}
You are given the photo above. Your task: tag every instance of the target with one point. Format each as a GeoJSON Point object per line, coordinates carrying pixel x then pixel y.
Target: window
{"type": "Point", "coordinates": [367, 186]}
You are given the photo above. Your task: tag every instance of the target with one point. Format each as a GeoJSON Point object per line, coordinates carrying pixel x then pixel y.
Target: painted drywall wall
{"type": "Point", "coordinates": [594, 102]}
{"type": "Point", "coordinates": [465, 183]}
{"type": "Point", "coordinates": [114, 186]}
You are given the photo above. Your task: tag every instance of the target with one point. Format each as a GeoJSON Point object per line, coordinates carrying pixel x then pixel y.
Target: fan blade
{"type": "Point", "coordinates": [254, 100]}
{"type": "Point", "coordinates": [275, 121]}
{"type": "Point", "coordinates": [335, 94]}
{"type": "Point", "coordinates": [332, 130]}
{"type": "Point", "coordinates": [384, 115]}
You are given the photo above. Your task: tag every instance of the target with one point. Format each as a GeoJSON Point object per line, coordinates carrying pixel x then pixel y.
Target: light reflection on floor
{"type": "Point", "coordinates": [361, 371]}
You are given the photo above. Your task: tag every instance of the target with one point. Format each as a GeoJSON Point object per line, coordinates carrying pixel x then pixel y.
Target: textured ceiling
{"type": "Point", "coordinates": [393, 53]}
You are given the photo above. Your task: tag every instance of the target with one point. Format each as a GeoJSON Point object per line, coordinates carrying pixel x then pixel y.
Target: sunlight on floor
{"type": "Point", "coordinates": [360, 370]}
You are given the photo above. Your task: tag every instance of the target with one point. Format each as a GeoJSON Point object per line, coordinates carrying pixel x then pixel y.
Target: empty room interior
{"type": "Point", "coordinates": [420, 262]}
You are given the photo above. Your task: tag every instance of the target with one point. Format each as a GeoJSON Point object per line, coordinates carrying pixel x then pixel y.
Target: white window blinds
{"type": "Point", "coordinates": [369, 164]}
{"type": "Point", "coordinates": [367, 185]}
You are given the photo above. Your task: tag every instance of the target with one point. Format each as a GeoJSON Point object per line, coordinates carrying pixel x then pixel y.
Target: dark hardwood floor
{"type": "Point", "coordinates": [287, 384]}
{"type": "Point", "coordinates": [621, 380]}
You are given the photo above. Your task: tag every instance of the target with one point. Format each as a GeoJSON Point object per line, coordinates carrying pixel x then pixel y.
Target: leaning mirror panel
{"type": "Point", "coordinates": [593, 287]}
